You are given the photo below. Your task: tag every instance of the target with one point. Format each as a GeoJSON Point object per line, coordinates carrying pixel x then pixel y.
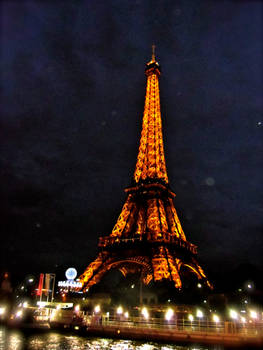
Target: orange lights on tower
{"type": "Point", "coordinates": [148, 237]}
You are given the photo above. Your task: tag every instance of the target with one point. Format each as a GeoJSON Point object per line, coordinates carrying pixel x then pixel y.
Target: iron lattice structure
{"type": "Point", "coordinates": [148, 237]}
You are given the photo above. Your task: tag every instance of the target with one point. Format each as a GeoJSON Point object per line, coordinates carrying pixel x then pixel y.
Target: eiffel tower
{"type": "Point", "coordinates": [148, 237]}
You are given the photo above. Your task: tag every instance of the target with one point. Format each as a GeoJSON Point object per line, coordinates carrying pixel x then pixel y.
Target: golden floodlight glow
{"type": "Point", "coordinates": [151, 162]}
{"type": "Point", "coordinates": [148, 216]}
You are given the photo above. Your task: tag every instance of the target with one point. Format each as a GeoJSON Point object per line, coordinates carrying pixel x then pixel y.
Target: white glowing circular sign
{"type": "Point", "coordinates": [71, 273]}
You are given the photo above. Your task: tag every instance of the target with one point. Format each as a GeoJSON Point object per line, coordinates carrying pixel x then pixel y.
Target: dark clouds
{"type": "Point", "coordinates": [72, 100]}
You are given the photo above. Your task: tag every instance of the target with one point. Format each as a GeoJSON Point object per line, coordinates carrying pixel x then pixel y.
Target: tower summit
{"type": "Point", "coordinates": [148, 237]}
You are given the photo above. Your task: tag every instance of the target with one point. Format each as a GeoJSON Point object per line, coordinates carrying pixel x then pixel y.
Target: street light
{"type": "Point", "coordinates": [233, 314]}
{"type": "Point", "coordinates": [215, 318]}
{"type": "Point", "coordinates": [145, 313]}
{"type": "Point", "coordinates": [119, 310]}
{"type": "Point", "coordinates": [97, 309]}
{"type": "Point", "coordinates": [253, 314]}
{"type": "Point", "coordinates": [169, 314]}
{"type": "Point", "coordinates": [191, 318]}
{"type": "Point", "coordinates": [199, 314]}
{"type": "Point", "coordinates": [19, 313]}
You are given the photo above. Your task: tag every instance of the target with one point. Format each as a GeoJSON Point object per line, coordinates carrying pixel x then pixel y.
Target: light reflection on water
{"type": "Point", "coordinates": [16, 340]}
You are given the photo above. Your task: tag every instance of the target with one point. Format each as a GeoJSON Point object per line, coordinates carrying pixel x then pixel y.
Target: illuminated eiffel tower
{"type": "Point", "coordinates": [148, 237]}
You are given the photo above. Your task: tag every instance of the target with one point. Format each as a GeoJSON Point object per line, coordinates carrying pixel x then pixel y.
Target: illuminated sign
{"type": "Point", "coordinates": [69, 284]}
{"type": "Point", "coordinates": [71, 273]}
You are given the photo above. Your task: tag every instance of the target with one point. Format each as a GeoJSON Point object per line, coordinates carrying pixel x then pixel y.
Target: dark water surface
{"type": "Point", "coordinates": [50, 340]}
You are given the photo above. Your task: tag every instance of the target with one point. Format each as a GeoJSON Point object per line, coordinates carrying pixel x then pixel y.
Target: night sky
{"type": "Point", "coordinates": [72, 96]}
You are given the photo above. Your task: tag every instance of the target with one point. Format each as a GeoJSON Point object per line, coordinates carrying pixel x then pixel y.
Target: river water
{"type": "Point", "coordinates": [17, 340]}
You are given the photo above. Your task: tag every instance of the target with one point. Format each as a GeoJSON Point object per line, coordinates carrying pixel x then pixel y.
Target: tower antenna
{"type": "Point", "coordinates": [153, 52]}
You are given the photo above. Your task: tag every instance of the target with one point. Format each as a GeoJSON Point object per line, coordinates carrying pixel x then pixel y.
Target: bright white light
{"type": "Point", "coordinates": [191, 317]}
{"type": "Point", "coordinates": [77, 308]}
{"type": "Point", "coordinates": [243, 320]}
{"type": "Point", "coordinates": [215, 318]}
{"type": "Point", "coordinates": [249, 286]}
{"type": "Point", "coordinates": [145, 313]}
{"type": "Point", "coordinates": [22, 288]}
{"type": "Point", "coordinates": [119, 310]}
{"type": "Point", "coordinates": [199, 314]}
{"type": "Point", "coordinates": [2, 310]}
{"type": "Point", "coordinates": [97, 308]}
{"type": "Point", "coordinates": [205, 301]}
{"type": "Point", "coordinates": [132, 286]}
{"type": "Point", "coordinates": [199, 285]}
{"type": "Point", "coordinates": [245, 301]}
{"type": "Point", "coordinates": [53, 314]}
{"type": "Point", "coordinates": [253, 314]}
{"type": "Point", "coordinates": [126, 314]}
{"type": "Point", "coordinates": [169, 314]}
{"type": "Point", "coordinates": [31, 280]}
{"type": "Point", "coordinates": [41, 304]}
{"type": "Point", "coordinates": [233, 314]}
{"type": "Point", "coordinates": [25, 304]}
{"type": "Point", "coordinates": [19, 313]}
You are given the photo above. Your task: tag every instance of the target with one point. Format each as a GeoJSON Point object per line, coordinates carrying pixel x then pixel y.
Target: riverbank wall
{"type": "Point", "coordinates": [175, 336]}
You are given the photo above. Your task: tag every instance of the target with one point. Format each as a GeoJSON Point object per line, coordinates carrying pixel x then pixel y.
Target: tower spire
{"type": "Point", "coordinates": [153, 52]}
